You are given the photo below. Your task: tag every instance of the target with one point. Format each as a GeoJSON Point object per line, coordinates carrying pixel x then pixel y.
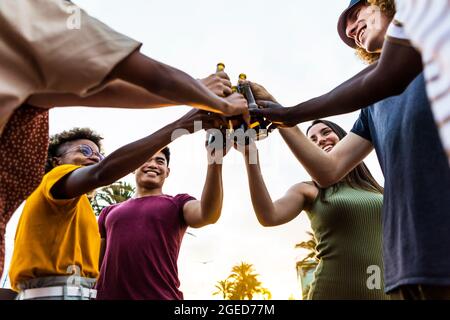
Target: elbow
{"type": "Point", "coordinates": [210, 218]}
{"type": "Point", "coordinates": [391, 85]}
{"type": "Point", "coordinates": [265, 221]}
{"type": "Point", "coordinates": [100, 177]}
{"type": "Point", "coordinates": [214, 218]}
{"type": "Point", "coordinates": [395, 89]}
{"type": "Point", "coordinates": [327, 181]}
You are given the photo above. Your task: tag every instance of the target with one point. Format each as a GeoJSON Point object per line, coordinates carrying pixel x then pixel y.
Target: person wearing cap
{"type": "Point", "coordinates": [402, 131]}
{"type": "Point", "coordinates": [406, 50]}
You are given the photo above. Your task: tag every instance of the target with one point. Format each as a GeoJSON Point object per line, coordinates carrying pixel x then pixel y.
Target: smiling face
{"type": "Point", "coordinates": [153, 173]}
{"type": "Point", "coordinates": [70, 153]}
{"type": "Point", "coordinates": [367, 26]}
{"type": "Point", "coordinates": [323, 136]}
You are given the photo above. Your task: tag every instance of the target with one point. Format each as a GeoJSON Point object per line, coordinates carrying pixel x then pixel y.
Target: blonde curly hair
{"type": "Point", "coordinates": [388, 8]}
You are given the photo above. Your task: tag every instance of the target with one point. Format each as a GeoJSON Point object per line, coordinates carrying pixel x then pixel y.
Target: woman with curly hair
{"type": "Point", "coordinates": [410, 20]}
{"type": "Point", "coordinates": [402, 131]}
{"type": "Point", "coordinates": [362, 26]}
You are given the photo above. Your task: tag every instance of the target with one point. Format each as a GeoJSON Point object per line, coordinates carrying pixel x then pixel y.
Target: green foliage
{"type": "Point", "coordinates": [112, 194]}
{"type": "Point", "coordinates": [242, 284]}
{"type": "Point", "coordinates": [309, 262]}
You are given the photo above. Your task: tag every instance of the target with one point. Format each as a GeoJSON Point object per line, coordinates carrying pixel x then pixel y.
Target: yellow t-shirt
{"type": "Point", "coordinates": [54, 235]}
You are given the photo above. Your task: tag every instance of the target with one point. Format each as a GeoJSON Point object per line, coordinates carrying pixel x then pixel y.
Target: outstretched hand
{"type": "Point", "coordinates": [219, 83]}
{"type": "Point", "coordinates": [275, 113]}
{"type": "Point", "coordinates": [238, 106]}
{"type": "Point", "coordinates": [260, 93]}
{"type": "Point", "coordinates": [217, 147]}
{"type": "Point", "coordinates": [207, 119]}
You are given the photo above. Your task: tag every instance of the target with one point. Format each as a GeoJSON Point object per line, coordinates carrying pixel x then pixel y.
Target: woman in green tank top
{"type": "Point", "coordinates": [345, 218]}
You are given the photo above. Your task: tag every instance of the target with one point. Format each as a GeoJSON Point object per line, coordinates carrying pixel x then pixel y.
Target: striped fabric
{"type": "Point", "coordinates": [348, 230]}
{"type": "Point", "coordinates": [427, 24]}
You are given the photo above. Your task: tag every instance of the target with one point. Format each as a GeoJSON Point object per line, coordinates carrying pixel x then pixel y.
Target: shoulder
{"type": "Point", "coordinates": [306, 189]}
{"type": "Point", "coordinates": [60, 171]}
{"type": "Point", "coordinates": [396, 32]}
{"type": "Point", "coordinates": [53, 177]}
{"type": "Point", "coordinates": [183, 198]}
{"type": "Point", "coordinates": [106, 210]}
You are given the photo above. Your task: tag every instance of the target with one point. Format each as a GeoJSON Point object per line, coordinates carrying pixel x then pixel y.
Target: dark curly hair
{"type": "Point", "coordinates": [57, 141]}
{"type": "Point", "coordinates": [388, 8]}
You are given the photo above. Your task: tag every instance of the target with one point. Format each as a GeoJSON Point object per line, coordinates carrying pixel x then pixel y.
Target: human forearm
{"type": "Point", "coordinates": [169, 83]}
{"type": "Point", "coordinates": [260, 197]}
{"type": "Point", "coordinates": [116, 165]}
{"type": "Point", "coordinates": [117, 94]}
{"type": "Point", "coordinates": [347, 97]}
{"type": "Point", "coordinates": [129, 157]}
{"type": "Point", "coordinates": [212, 195]}
{"type": "Point", "coordinates": [320, 165]}
{"type": "Point", "coordinates": [390, 76]}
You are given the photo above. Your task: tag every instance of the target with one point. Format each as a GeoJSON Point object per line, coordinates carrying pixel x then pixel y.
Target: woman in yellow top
{"type": "Point", "coordinates": [48, 60]}
{"type": "Point", "coordinates": [57, 243]}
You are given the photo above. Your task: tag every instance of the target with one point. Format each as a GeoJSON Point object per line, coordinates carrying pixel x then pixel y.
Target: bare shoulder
{"type": "Point", "coordinates": [307, 189]}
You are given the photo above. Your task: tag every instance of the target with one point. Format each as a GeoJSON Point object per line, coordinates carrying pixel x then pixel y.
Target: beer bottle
{"type": "Point", "coordinates": [258, 124]}
{"type": "Point", "coordinates": [212, 137]}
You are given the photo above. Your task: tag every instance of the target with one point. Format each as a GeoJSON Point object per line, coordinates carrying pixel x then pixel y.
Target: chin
{"type": "Point", "coordinates": [150, 184]}
{"type": "Point", "coordinates": [373, 45]}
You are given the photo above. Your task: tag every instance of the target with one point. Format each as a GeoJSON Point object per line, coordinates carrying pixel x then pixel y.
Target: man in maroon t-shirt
{"type": "Point", "coordinates": [141, 237]}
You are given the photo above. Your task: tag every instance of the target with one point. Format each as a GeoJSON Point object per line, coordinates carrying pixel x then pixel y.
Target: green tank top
{"type": "Point", "coordinates": [348, 231]}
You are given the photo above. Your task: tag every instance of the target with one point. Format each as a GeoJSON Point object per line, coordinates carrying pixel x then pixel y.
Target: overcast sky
{"type": "Point", "coordinates": [293, 49]}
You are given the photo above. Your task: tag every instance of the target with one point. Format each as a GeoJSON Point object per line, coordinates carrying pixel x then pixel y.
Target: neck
{"type": "Point", "coordinates": [144, 192]}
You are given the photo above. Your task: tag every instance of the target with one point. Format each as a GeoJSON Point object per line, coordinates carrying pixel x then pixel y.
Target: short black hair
{"type": "Point", "coordinates": [59, 139]}
{"type": "Point", "coordinates": [166, 152]}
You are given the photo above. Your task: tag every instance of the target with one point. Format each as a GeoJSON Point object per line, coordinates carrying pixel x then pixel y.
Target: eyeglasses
{"type": "Point", "coordinates": [85, 150]}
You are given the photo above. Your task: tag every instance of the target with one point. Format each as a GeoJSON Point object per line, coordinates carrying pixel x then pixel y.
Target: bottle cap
{"type": "Point", "coordinates": [220, 67]}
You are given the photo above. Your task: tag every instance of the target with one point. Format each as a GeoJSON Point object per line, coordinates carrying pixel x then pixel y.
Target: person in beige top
{"type": "Point", "coordinates": [48, 60]}
{"type": "Point", "coordinates": [42, 54]}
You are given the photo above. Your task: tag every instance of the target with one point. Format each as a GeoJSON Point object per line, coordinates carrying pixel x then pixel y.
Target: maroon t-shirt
{"type": "Point", "coordinates": [143, 239]}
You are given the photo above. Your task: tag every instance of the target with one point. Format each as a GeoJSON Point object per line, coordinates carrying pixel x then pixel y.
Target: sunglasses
{"type": "Point", "coordinates": [85, 150]}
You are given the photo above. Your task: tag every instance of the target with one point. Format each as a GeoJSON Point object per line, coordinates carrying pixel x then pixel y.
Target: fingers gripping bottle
{"type": "Point", "coordinates": [213, 137]}
{"type": "Point", "coordinates": [258, 124]}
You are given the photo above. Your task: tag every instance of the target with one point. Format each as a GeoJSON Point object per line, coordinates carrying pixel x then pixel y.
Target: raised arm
{"type": "Point", "coordinates": [117, 94]}
{"type": "Point", "coordinates": [207, 211]}
{"type": "Point", "coordinates": [174, 85]}
{"type": "Point", "coordinates": [285, 209]}
{"type": "Point", "coordinates": [397, 67]}
{"type": "Point", "coordinates": [390, 76]}
{"type": "Point", "coordinates": [121, 94]}
{"type": "Point", "coordinates": [327, 168]}
{"type": "Point", "coordinates": [124, 160]}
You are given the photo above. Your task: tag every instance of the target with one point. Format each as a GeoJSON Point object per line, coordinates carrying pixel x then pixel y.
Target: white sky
{"type": "Point", "coordinates": [292, 48]}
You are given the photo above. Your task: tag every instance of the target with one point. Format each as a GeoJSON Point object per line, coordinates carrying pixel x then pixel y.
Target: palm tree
{"type": "Point", "coordinates": [224, 288]}
{"type": "Point", "coordinates": [242, 284]}
{"type": "Point", "coordinates": [309, 245]}
{"type": "Point", "coordinates": [112, 194]}
{"type": "Point", "coordinates": [308, 264]}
